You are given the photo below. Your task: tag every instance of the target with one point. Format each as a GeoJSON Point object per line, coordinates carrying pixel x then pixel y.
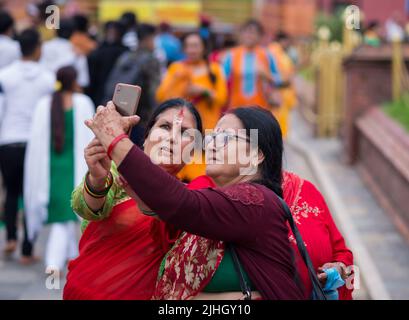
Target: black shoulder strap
{"type": "Point", "coordinates": [318, 293]}
{"type": "Point", "coordinates": [245, 288]}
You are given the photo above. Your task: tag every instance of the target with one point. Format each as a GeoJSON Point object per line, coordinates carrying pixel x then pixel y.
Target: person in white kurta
{"type": "Point", "coordinates": [42, 184]}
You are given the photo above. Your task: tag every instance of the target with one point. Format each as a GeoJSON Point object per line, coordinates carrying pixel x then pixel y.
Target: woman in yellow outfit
{"type": "Point", "coordinates": [288, 94]}
{"type": "Point", "coordinates": [200, 82]}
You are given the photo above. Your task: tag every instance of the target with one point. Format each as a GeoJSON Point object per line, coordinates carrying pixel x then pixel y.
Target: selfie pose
{"type": "Point", "coordinates": [121, 248]}
{"type": "Point", "coordinates": [243, 211]}
{"type": "Point", "coordinates": [56, 164]}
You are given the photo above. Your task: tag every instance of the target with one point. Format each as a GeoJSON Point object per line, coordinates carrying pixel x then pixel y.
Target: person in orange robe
{"type": "Point", "coordinates": [200, 82]}
{"type": "Point", "coordinates": [251, 70]}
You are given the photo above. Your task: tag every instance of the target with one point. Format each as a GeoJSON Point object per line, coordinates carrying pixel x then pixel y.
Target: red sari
{"type": "Point", "coordinates": [321, 236]}
{"type": "Point", "coordinates": [119, 257]}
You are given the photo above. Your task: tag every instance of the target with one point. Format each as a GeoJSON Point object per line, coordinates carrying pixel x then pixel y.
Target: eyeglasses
{"type": "Point", "coordinates": [220, 139]}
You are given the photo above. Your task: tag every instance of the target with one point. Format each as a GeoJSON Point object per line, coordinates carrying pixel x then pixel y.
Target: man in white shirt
{"type": "Point", "coordinates": [59, 52]}
{"type": "Point", "coordinates": [22, 85]}
{"type": "Point", "coordinates": [9, 49]}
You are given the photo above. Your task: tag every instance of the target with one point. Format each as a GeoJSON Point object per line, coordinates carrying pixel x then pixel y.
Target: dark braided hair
{"type": "Point", "coordinates": [66, 77]}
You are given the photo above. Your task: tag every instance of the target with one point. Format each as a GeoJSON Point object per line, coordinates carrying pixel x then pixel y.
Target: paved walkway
{"type": "Point", "coordinates": [18, 282]}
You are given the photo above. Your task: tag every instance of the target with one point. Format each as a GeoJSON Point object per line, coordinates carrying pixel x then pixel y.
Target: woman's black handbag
{"type": "Point", "coordinates": [317, 291]}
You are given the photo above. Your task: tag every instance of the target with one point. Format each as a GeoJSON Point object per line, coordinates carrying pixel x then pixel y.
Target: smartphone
{"type": "Point", "coordinates": [126, 98]}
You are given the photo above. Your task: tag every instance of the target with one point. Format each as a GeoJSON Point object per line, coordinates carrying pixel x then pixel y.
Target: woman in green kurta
{"type": "Point", "coordinates": [55, 162]}
{"type": "Point", "coordinates": [62, 175]}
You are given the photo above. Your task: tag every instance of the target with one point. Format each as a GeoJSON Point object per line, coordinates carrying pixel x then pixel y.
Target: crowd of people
{"type": "Point", "coordinates": [172, 230]}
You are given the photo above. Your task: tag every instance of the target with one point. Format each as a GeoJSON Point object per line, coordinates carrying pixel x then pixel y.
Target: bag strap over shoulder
{"type": "Point", "coordinates": [245, 288]}
{"type": "Point", "coordinates": [318, 292]}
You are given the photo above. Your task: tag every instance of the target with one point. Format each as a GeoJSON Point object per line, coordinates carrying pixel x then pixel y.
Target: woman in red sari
{"type": "Point", "coordinates": [121, 249]}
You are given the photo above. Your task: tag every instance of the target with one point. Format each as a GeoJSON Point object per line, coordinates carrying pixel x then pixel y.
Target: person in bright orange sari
{"type": "Point", "coordinates": [200, 82]}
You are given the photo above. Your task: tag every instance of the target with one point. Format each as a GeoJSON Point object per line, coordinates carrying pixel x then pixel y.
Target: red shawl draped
{"type": "Point", "coordinates": [119, 257]}
{"type": "Point", "coordinates": [321, 236]}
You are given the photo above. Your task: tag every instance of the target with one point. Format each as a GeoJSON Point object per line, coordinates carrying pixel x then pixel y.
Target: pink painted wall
{"type": "Point", "coordinates": [381, 10]}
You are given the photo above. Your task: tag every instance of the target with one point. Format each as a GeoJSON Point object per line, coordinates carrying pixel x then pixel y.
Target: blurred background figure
{"type": "Point", "coordinates": [169, 43]}
{"type": "Point", "coordinates": [197, 80]}
{"type": "Point", "coordinates": [205, 30]}
{"type": "Point", "coordinates": [37, 11]}
{"type": "Point", "coordinates": [22, 85]}
{"type": "Point", "coordinates": [9, 49]}
{"type": "Point", "coordinates": [130, 23]}
{"type": "Point", "coordinates": [142, 68]}
{"type": "Point", "coordinates": [286, 68]}
{"type": "Point", "coordinates": [221, 47]}
{"type": "Point", "coordinates": [59, 52]}
{"type": "Point", "coordinates": [394, 27]}
{"type": "Point", "coordinates": [103, 58]}
{"type": "Point", "coordinates": [251, 70]}
{"type": "Point", "coordinates": [81, 40]}
{"type": "Point", "coordinates": [372, 34]}
{"type": "Point", "coordinates": [55, 160]}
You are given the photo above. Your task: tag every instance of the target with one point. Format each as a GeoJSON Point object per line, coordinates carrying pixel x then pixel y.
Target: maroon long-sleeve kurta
{"type": "Point", "coordinates": [247, 215]}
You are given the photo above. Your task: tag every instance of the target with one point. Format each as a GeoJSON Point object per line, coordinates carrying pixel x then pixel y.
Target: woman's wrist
{"type": "Point", "coordinates": [107, 138]}
{"type": "Point", "coordinates": [97, 183]}
{"type": "Point", "coordinates": [121, 150]}
{"type": "Point", "coordinates": [99, 193]}
{"type": "Point", "coordinates": [114, 143]}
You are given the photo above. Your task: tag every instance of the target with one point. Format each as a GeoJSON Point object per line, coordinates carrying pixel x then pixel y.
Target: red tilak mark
{"type": "Point", "coordinates": [181, 113]}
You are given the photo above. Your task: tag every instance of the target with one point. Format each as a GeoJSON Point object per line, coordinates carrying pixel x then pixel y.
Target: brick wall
{"type": "Point", "coordinates": [368, 83]}
{"type": "Point", "coordinates": [383, 157]}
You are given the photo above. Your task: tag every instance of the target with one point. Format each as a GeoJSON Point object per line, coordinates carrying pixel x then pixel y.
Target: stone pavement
{"type": "Point", "coordinates": [18, 282]}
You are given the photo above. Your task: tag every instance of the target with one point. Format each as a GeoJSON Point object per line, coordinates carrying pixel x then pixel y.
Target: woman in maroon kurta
{"type": "Point", "coordinates": [245, 211]}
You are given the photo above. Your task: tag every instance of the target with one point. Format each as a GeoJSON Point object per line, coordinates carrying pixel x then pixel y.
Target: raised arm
{"type": "Point", "coordinates": [80, 204]}
{"type": "Point", "coordinates": [210, 213]}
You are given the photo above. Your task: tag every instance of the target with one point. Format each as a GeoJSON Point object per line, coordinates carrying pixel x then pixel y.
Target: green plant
{"type": "Point", "coordinates": [399, 111]}
{"type": "Point", "coordinates": [334, 23]}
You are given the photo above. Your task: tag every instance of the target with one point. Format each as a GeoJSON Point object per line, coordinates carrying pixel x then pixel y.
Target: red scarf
{"type": "Point", "coordinates": [119, 256]}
